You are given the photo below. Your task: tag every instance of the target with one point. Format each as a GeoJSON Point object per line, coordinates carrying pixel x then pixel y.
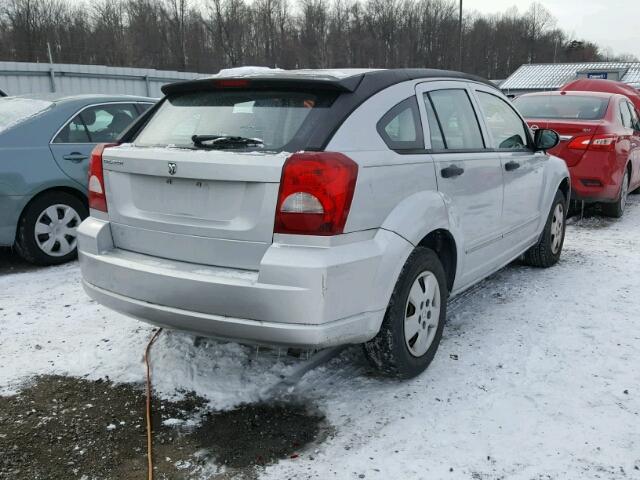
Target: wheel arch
{"type": "Point", "coordinates": [441, 241]}
{"type": "Point", "coordinates": [565, 188]}
{"type": "Point", "coordinates": [66, 189]}
{"type": "Point", "coordinates": [423, 219]}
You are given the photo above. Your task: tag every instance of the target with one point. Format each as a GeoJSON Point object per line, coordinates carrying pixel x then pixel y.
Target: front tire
{"type": "Point", "coordinates": [413, 323]}
{"type": "Point", "coordinates": [47, 229]}
{"type": "Point", "coordinates": [546, 252]}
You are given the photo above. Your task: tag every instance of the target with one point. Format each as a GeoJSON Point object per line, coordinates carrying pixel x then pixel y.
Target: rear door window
{"type": "Point", "coordinates": [635, 120]}
{"type": "Point", "coordinates": [143, 107]}
{"type": "Point", "coordinates": [435, 131]}
{"type": "Point", "coordinates": [627, 114]}
{"type": "Point", "coordinates": [74, 131]}
{"type": "Point", "coordinates": [456, 118]}
{"type": "Point", "coordinates": [105, 123]}
{"type": "Point", "coordinates": [400, 127]}
{"type": "Point", "coordinates": [506, 127]}
{"type": "Point", "coordinates": [98, 124]}
{"type": "Point", "coordinates": [273, 117]}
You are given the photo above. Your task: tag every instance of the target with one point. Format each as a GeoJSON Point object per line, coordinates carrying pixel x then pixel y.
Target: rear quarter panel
{"type": "Point", "coordinates": [26, 163]}
{"type": "Point", "coordinates": [385, 178]}
{"type": "Point", "coordinates": [27, 168]}
{"type": "Point", "coordinates": [396, 192]}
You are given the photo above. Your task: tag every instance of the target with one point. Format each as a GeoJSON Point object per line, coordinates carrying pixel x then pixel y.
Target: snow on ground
{"type": "Point", "coordinates": [537, 376]}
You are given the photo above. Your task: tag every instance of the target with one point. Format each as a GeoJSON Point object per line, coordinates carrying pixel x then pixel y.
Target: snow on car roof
{"type": "Point", "coordinates": [14, 110]}
{"type": "Point", "coordinates": [249, 72]}
{"type": "Point", "coordinates": [69, 97]}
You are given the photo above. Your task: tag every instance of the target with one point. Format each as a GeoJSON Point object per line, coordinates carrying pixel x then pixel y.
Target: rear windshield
{"type": "Point", "coordinates": [562, 107]}
{"type": "Point", "coordinates": [272, 117]}
{"type": "Point", "coordinates": [15, 110]}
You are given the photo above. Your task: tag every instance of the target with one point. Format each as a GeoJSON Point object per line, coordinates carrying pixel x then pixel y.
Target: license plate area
{"type": "Point", "coordinates": [183, 197]}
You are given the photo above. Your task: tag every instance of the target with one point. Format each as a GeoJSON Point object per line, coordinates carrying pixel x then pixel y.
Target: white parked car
{"type": "Point", "coordinates": [317, 208]}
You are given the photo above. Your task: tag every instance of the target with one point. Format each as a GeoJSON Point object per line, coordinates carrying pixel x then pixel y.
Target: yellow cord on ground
{"type": "Point", "coordinates": [149, 433]}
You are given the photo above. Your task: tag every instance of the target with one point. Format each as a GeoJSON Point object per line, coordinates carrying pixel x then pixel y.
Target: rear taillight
{"type": "Point", "coordinates": [580, 143]}
{"type": "Point", "coordinates": [232, 83]}
{"type": "Point", "coordinates": [601, 143]}
{"type": "Point", "coordinates": [97, 196]}
{"type": "Point", "coordinates": [315, 195]}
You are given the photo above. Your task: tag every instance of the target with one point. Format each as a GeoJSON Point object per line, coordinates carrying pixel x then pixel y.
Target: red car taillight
{"type": "Point", "coordinates": [599, 143]}
{"type": "Point", "coordinates": [580, 143]}
{"type": "Point", "coordinates": [603, 143]}
{"type": "Point", "coordinates": [97, 195]}
{"type": "Point", "coordinates": [315, 194]}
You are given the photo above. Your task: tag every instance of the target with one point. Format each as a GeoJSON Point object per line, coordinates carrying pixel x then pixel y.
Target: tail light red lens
{"type": "Point", "coordinates": [232, 83]}
{"type": "Point", "coordinates": [601, 143]}
{"type": "Point", "coordinates": [97, 194]}
{"type": "Point", "coordinates": [315, 195]}
{"type": "Point", "coordinates": [580, 143]}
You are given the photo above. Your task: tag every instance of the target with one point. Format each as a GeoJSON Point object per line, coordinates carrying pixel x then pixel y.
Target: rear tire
{"type": "Point", "coordinates": [413, 323]}
{"type": "Point", "coordinates": [47, 229]}
{"type": "Point", "coordinates": [546, 252]}
{"type": "Point", "coordinates": [616, 209]}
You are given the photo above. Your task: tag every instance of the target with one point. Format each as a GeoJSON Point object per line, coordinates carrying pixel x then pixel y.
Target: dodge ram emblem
{"type": "Point", "coordinates": [172, 168]}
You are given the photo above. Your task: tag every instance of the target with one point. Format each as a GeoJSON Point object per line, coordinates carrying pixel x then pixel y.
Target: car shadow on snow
{"type": "Point", "coordinates": [592, 217]}
{"type": "Point", "coordinates": [11, 262]}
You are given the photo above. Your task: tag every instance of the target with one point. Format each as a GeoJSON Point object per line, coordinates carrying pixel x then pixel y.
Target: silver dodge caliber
{"type": "Point", "coordinates": [315, 208]}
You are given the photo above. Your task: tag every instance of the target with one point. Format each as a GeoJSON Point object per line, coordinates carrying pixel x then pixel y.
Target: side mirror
{"type": "Point", "coordinates": [545, 139]}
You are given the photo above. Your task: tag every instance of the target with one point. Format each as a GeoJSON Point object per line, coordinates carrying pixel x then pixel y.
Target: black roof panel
{"type": "Point", "coordinates": [347, 80]}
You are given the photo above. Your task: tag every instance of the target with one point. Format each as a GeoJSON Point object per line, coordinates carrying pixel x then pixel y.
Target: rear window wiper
{"type": "Point", "coordinates": [224, 141]}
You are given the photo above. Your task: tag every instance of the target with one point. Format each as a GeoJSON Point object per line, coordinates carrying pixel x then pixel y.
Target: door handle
{"type": "Point", "coordinates": [75, 157]}
{"type": "Point", "coordinates": [452, 171]}
{"type": "Point", "coordinates": [511, 166]}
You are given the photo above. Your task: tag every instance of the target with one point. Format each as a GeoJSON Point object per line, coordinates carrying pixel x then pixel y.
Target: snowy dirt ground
{"type": "Point", "coordinates": [537, 376]}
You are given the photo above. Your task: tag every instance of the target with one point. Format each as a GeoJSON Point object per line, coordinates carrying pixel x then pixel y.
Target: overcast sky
{"type": "Point", "coordinates": [609, 23]}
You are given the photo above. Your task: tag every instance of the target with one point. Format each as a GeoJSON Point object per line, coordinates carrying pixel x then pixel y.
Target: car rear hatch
{"type": "Point", "coordinates": [217, 208]}
{"type": "Point", "coordinates": [568, 130]}
{"type": "Point", "coordinates": [210, 200]}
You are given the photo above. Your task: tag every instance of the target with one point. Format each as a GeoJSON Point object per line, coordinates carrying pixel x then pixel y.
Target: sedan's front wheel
{"type": "Point", "coordinates": [413, 324]}
{"type": "Point", "coordinates": [47, 230]}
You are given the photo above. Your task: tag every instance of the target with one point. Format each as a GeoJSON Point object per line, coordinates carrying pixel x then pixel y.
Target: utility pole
{"type": "Point", "coordinates": [460, 38]}
{"type": "Point", "coordinates": [49, 52]}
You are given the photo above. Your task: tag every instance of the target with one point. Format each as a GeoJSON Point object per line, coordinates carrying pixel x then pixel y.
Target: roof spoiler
{"type": "Point", "coordinates": [303, 83]}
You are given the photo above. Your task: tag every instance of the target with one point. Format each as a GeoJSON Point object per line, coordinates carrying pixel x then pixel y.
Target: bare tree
{"type": "Point", "coordinates": [191, 35]}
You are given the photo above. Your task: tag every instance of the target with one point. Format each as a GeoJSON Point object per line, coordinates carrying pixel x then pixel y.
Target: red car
{"type": "Point", "coordinates": [600, 142]}
{"type": "Point", "coordinates": [608, 86]}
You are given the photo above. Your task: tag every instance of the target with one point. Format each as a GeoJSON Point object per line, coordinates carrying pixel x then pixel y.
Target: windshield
{"type": "Point", "coordinates": [562, 106]}
{"type": "Point", "coordinates": [261, 120]}
{"type": "Point", "coordinates": [15, 110]}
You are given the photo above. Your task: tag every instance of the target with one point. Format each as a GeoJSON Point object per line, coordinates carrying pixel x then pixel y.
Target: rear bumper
{"type": "Point", "coordinates": [358, 328]}
{"type": "Point", "coordinates": [301, 296]}
{"type": "Point", "coordinates": [597, 177]}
